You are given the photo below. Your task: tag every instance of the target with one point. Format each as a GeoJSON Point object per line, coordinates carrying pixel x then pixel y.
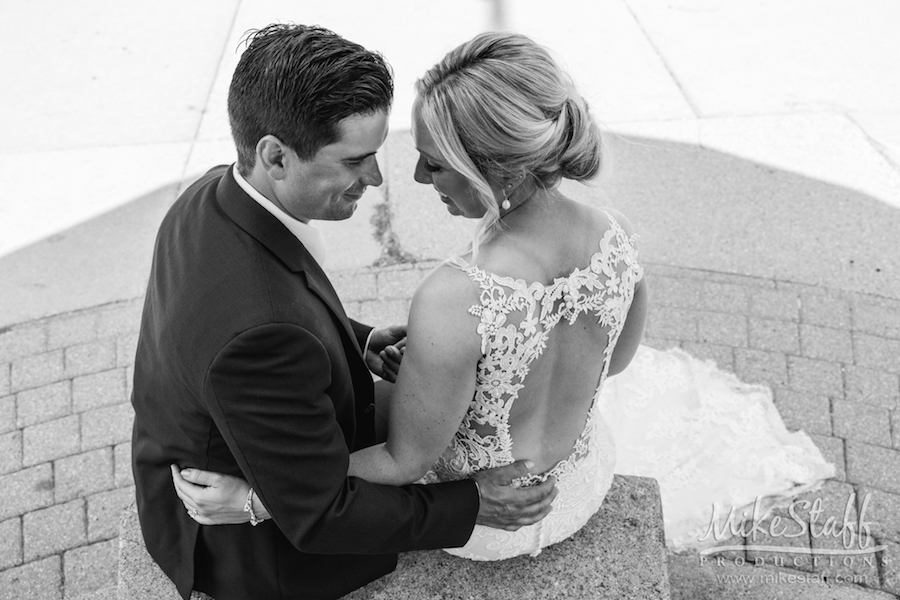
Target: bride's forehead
{"type": "Point", "coordinates": [422, 137]}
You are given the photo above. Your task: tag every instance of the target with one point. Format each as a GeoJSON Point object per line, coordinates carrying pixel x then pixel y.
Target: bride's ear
{"type": "Point", "coordinates": [512, 184]}
{"type": "Point", "coordinates": [515, 181]}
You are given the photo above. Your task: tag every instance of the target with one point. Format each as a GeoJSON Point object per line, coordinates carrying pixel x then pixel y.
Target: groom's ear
{"type": "Point", "coordinates": [271, 153]}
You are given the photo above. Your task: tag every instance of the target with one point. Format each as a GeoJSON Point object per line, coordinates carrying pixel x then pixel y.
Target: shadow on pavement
{"type": "Point", "coordinates": [692, 207]}
{"type": "Point", "coordinates": [705, 209]}
{"type": "Point", "coordinates": [102, 260]}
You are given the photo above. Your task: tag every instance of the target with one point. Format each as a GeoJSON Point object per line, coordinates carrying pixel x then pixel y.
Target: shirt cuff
{"type": "Point", "coordinates": [368, 339]}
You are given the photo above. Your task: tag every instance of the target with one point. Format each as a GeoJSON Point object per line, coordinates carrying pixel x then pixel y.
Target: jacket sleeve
{"type": "Point", "coordinates": [267, 390]}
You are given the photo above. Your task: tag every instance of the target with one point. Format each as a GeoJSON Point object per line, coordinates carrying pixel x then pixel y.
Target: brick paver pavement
{"type": "Point", "coordinates": [831, 357]}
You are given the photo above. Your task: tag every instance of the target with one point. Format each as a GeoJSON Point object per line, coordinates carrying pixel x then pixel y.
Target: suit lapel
{"type": "Point", "coordinates": [259, 223]}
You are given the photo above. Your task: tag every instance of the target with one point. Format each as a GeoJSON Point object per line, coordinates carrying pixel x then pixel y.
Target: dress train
{"type": "Point", "coordinates": [708, 439]}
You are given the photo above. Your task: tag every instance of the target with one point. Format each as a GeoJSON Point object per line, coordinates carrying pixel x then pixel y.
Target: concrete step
{"type": "Point", "coordinates": [109, 592]}
{"type": "Point", "coordinates": [691, 581]}
{"type": "Point", "coordinates": [619, 555]}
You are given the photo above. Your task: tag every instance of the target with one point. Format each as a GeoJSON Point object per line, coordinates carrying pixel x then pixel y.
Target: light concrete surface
{"type": "Point", "coordinates": [613, 64]}
{"type": "Point", "coordinates": [102, 73]}
{"type": "Point", "coordinates": [686, 131]}
{"type": "Point", "coordinates": [829, 148]}
{"type": "Point", "coordinates": [90, 264]}
{"type": "Point", "coordinates": [883, 127]}
{"type": "Point", "coordinates": [113, 101]}
{"type": "Point", "coordinates": [701, 208]}
{"type": "Point", "coordinates": [735, 58]}
{"type": "Point", "coordinates": [48, 192]}
{"type": "Point", "coordinates": [140, 578]}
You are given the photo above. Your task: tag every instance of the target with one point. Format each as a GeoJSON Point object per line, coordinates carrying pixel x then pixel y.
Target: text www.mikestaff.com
{"type": "Point", "coordinates": [771, 578]}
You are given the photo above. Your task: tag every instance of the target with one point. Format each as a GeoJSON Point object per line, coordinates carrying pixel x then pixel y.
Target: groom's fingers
{"type": "Point", "coordinates": [505, 506]}
{"type": "Point", "coordinates": [389, 375]}
{"type": "Point", "coordinates": [390, 363]}
{"type": "Point", "coordinates": [388, 368]}
{"type": "Point", "coordinates": [532, 504]}
{"type": "Point", "coordinates": [539, 494]}
{"type": "Point", "coordinates": [507, 473]}
{"type": "Point", "coordinates": [392, 357]}
{"type": "Point", "coordinates": [534, 500]}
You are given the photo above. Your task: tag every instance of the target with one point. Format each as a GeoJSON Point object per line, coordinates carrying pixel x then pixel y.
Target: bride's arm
{"type": "Point", "coordinates": [633, 330]}
{"type": "Point", "coordinates": [434, 386]}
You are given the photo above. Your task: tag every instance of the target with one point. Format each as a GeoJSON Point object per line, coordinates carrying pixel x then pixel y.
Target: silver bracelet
{"type": "Point", "coordinates": [248, 507]}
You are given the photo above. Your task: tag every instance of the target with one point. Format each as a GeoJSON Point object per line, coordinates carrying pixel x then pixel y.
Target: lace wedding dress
{"type": "Point", "coordinates": [516, 320]}
{"type": "Point", "coordinates": [707, 438]}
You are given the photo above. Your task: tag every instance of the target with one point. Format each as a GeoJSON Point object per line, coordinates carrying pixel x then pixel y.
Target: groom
{"type": "Point", "coordinates": [248, 365]}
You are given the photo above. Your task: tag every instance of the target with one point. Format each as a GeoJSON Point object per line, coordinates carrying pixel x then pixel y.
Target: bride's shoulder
{"type": "Point", "coordinates": [616, 217]}
{"type": "Point", "coordinates": [440, 310]}
{"type": "Point", "coordinates": [581, 227]}
{"type": "Point", "coordinates": [447, 288]}
{"type": "Point", "coordinates": [604, 217]}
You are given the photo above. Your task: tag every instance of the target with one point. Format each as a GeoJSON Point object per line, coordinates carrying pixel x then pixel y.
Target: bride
{"type": "Point", "coordinates": [510, 345]}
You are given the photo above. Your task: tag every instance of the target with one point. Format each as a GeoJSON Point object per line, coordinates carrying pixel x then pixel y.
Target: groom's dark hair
{"type": "Point", "coordinates": [297, 82]}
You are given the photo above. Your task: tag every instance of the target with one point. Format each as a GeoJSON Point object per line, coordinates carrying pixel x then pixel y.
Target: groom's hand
{"type": "Point", "coordinates": [504, 506]}
{"type": "Point", "coordinates": [385, 351]}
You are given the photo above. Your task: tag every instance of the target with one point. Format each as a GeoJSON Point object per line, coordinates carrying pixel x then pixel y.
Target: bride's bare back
{"type": "Point", "coordinates": [549, 297]}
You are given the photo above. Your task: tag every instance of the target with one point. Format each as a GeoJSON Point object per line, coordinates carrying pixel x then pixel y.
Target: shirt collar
{"type": "Point", "coordinates": [309, 236]}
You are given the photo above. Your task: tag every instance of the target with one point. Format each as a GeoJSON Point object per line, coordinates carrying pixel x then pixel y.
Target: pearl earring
{"type": "Point", "coordinates": [505, 204]}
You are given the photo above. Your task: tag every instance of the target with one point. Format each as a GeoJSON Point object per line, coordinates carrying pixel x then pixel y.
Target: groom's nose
{"type": "Point", "coordinates": [371, 172]}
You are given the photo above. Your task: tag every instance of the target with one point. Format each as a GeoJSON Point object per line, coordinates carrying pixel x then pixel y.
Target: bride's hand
{"type": "Point", "coordinates": [213, 498]}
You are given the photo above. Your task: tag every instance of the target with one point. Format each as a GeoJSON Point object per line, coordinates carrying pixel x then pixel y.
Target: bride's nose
{"type": "Point", "coordinates": [421, 174]}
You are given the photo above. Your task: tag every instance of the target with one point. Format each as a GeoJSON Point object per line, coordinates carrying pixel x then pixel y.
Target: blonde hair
{"type": "Point", "coordinates": [499, 107]}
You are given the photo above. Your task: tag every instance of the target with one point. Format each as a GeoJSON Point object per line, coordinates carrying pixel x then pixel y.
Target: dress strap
{"type": "Point", "coordinates": [458, 262]}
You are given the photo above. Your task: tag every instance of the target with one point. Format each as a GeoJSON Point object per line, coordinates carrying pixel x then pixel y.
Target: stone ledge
{"type": "Point", "coordinates": [140, 578]}
{"type": "Point", "coordinates": [619, 554]}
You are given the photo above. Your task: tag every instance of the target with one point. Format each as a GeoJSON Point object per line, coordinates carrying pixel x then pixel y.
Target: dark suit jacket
{"type": "Point", "coordinates": [247, 365]}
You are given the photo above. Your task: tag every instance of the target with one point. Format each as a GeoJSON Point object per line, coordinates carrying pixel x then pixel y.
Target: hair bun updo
{"type": "Point", "coordinates": [499, 107]}
{"type": "Point", "coordinates": [579, 142]}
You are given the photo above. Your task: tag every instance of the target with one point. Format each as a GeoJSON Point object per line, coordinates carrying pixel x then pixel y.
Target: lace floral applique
{"type": "Point", "coordinates": [605, 288]}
